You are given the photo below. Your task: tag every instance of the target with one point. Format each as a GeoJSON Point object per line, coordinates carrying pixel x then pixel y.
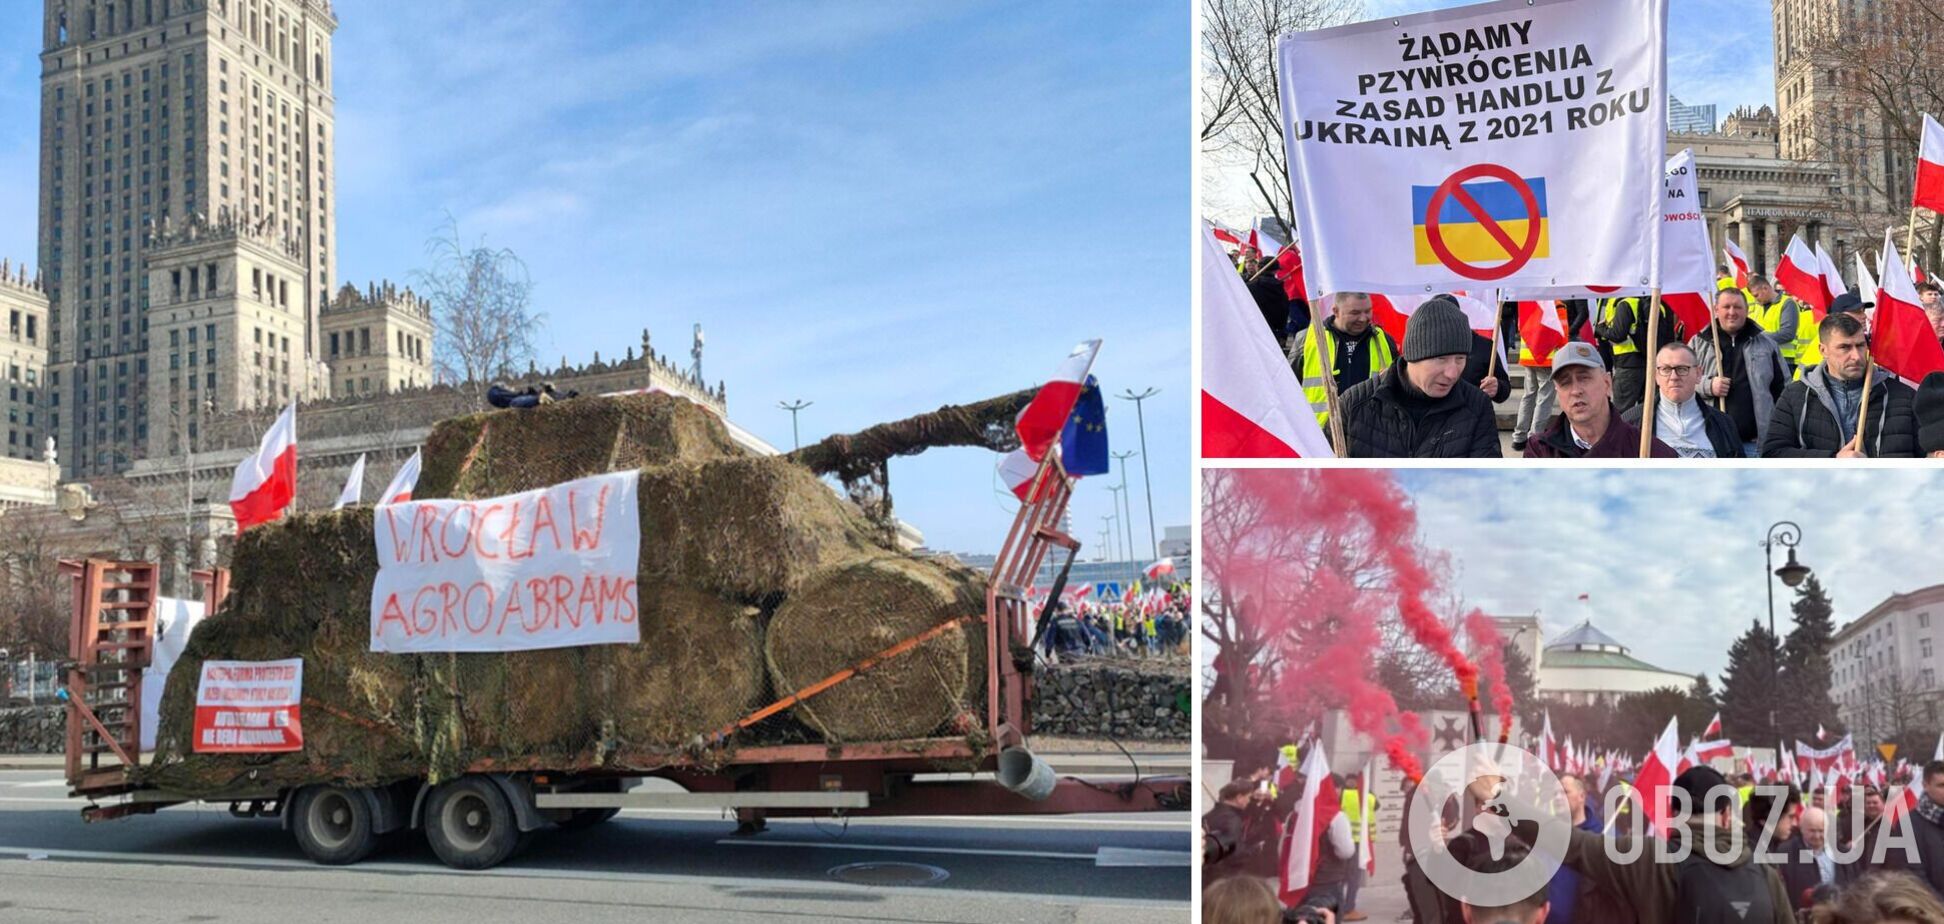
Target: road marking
{"type": "Point", "coordinates": [898, 848]}
{"type": "Point", "coordinates": [1131, 856]}
{"type": "Point", "coordinates": [724, 882]}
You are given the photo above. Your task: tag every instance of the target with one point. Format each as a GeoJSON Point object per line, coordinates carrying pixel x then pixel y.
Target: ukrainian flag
{"type": "Point", "coordinates": [1463, 234]}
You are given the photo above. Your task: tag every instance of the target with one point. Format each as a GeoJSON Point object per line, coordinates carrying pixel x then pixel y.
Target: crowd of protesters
{"type": "Point", "coordinates": [1141, 626]}
{"type": "Point", "coordinates": [1739, 853]}
{"type": "Point", "coordinates": [1764, 379]}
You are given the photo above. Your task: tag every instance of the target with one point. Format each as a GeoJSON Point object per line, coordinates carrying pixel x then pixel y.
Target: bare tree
{"type": "Point", "coordinates": [33, 594]}
{"type": "Point", "coordinates": [1241, 118]}
{"type": "Point", "coordinates": [1879, 65]}
{"type": "Point", "coordinates": [482, 310]}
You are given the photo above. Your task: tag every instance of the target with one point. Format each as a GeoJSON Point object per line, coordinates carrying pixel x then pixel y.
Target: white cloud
{"type": "Point", "coordinates": [1672, 559]}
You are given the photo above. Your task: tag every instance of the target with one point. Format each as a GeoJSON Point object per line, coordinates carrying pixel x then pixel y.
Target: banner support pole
{"type": "Point", "coordinates": [1653, 347]}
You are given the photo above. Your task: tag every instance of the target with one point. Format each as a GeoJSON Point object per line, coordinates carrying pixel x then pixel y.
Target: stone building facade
{"type": "Point", "coordinates": [1758, 198]}
{"type": "Point", "coordinates": [153, 115]}
{"type": "Point", "coordinates": [23, 361]}
{"type": "Point", "coordinates": [378, 340]}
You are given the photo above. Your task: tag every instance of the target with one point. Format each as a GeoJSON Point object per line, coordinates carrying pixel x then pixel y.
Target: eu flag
{"type": "Point", "coordinates": [1083, 444]}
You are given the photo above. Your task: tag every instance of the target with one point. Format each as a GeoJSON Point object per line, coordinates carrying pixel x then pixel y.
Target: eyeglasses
{"type": "Point", "coordinates": [1676, 371]}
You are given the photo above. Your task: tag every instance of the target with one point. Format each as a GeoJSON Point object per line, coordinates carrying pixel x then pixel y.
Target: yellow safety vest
{"type": "Point", "coordinates": [1624, 345]}
{"type": "Point", "coordinates": [1312, 375]}
{"type": "Point", "coordinates": [1349, 806]}
{"type": "Point", "coordinates": [1770, 318]}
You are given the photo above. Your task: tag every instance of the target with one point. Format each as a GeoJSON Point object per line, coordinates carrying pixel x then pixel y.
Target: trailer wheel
{"type": "Point", "coordinates": [587, 818]}
{"type": "Point", "coordinates": [471, 825]}
{"type": "Point", "coordinates": [333, 824]}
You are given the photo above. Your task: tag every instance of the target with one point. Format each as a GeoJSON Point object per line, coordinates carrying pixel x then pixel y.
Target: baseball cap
{"type": "Point", "coordinates": [1577, 353]}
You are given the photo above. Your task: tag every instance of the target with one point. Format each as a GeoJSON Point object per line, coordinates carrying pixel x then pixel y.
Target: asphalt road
{"type": "Point", "coordinates": [195, 863]}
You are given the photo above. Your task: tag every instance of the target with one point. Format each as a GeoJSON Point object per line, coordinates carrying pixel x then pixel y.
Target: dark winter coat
{"type": "Point", "coordinates": [1804, 422]}
{"type": "Point", "coordinates": [1385, 417]}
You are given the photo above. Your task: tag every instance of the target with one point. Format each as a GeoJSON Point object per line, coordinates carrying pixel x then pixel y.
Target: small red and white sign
{"type": "Point", "coordinates": [249, 707]}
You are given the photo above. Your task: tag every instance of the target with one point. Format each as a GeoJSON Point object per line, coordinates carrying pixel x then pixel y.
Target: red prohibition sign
{"type": "Point", "coordinates": [1453, 188]}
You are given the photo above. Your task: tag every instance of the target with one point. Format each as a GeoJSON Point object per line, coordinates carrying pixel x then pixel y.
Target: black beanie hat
{"type": "Point", "coordinates": [1438, 328]}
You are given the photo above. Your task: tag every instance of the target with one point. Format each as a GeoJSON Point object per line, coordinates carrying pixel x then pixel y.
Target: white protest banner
{"type": "Point", "coordinates": [249, 707]}
{"type": "Point", "coordinates": [1686, 258]}
{"type": "Point", "coordinates": [174, 620]}
{"type": "Point", "coordinates": [1510, 142]}
{"type": "Point", "coordinates": [552, 568]}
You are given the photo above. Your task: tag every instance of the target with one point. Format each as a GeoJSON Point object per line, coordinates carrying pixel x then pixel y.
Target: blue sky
{"type": "Point", "coordinates": [877, 207]}
{"type": "Point", "coordinates": [1671, 559]}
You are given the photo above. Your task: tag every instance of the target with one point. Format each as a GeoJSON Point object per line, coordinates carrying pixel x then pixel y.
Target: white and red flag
{"type": "Point", "coordinates": [1160, 569]}
{"type": "Point", "coordinates": [1656, 776]}
{"type": "Point", "coordinates": [1018, 470]}
{"type": "Point", "coordinates": [1800, 275]}
{"type": "Point", "coordinates": [1393, 312]}
{"type": "Point", "coordinates": [1901, 335]}
{"type": "Point", "coordinates": [1866, 282]}
{"type": "Point", "coordinates": [1366, 853]}
{"type": "Point", "coordinates": [1929, 192]}
{"type": "Point", "coordinates": [1040, 422]}
{"type": "Point", "coordinates": [1832, 275]}
{"type": "Point", "coordinates": [1714, 728]}
{"type": "Point", "coordinates": [1251, 404]}
{"type": "Point", "coordinates": [400, 489]}
{"type": "Point", "coordinates": [1548, 746]}
{"type": "Point", "coordinates": [266, 480]}
{"type": "Point", "coordinates": [1305, 837]}
{"type": "Point", "coordinates": [1825, 759]}
{"type": "Point", "coordinates": [1738, 262]}
{"type": "Point", "coordinates": [353, 491]}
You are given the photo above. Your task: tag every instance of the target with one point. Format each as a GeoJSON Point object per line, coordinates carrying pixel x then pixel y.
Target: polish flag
{"type": "Point", "coordinates": [1542, 328]}
{"type": "Point", "coordinates": [266, 480]}
{"type": "Point", "coordinates": [1264, 244]}
{"type": "Point", "coordinates": [1548, 746]}
{"type": "Point", "coordinates": [1709, 750]}
{"type": "Point", "coordinates": [1930, 168]}
{"type": "Point", "coordinates": [1393, 313]}
{"type": "Point", "coordinates": [1017, 470]}
{"type": "Point", "coordinates": [1901, 335]}
{"type": "Point", "coordinates": [1040, 422]}
{"type": "Point", "coordinates": [1366, 854]}
{"type": "Point", "coordinates": [1160, 569]}
{"type": "Point", "coordinates": [400, 489]}
{"type": "Point", "coordinates": [353, 486]}
{"type": "Point", "coordinates": [1225, 235]}
{"type": "Point", "coordinates": [1713, 730]}
{"type": "Point", "coordinates": [1800, 275]}
{"type": "Point", "coordinates": [1866, 283]}
{"type": "Point", "coordinates": [1304, 837]}
{"type": "Point", "coordinates": [1251, 404]}
{"type": "Point", "coordinates": [1832, 277]}
{"type": "Point", "coordinates": [1656, 777]}
{"type": "Point", "coordinates": [1738, 262]}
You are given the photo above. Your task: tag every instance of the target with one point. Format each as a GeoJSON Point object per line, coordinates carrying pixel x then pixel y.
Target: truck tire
{"type": "Point", "coordinates": [587, 818]}
{"type": "Point", "coordinates": [470, 824]}
{"type": "Point", "coordinates": [333, 824]}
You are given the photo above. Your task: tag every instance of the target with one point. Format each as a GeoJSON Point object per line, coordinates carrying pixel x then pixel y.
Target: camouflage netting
{"type": "Point", "coordinates": [850, 612]}
{"type": "Point", "coordinates": [755, 579]}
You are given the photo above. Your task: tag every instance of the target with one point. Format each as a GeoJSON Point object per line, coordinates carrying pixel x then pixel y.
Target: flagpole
{"type": "Point", "coordinates": [1863, 406]}
{"type": "Point", "coordinates": [1721, 401]}
{"type": "Point", "coordinates": [1910, 238]}
{"type": "Point", "coordinates": [1329, 379]}
{"type": "Point", "coordinates": [1498, 327]}
{"type": "Point", "coordinates": [1647, 403]}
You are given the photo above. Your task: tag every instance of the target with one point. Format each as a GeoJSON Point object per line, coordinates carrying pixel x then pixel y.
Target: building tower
{"type": "Point", "coordinates": [166, 124]}
{"type": "Point", "coordinates": [1819, 119]}
{"type": "Point", "coordinates": [378, 340]}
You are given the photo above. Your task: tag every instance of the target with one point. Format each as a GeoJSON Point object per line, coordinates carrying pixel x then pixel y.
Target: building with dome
{"type": "Point", "coordinates": [1585, 665]}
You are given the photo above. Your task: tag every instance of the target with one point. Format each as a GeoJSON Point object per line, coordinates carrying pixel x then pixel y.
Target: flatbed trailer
{"type": "Point", "coordinates": [480, 818]}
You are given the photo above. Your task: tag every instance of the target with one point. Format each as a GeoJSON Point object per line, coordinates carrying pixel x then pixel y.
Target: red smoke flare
{"type": "Point", "coordinates": [1490, 645]}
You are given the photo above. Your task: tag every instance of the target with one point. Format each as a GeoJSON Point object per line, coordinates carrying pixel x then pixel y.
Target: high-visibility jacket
{"type": "Point", "coordinates": [1742, 793]}
{"type": "Point", "coordinates": [1770, 318]}
{"type": "Point", "coordinates": [1349, 806]}
{"type": "Point", "coordinates": [1625, 345]}
{"type": "Point", "coordinates": [1379, 356]}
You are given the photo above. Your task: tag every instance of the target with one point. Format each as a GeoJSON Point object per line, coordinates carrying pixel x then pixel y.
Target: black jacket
{"type": "Point", "coordinates": [1378, 421]}
{"type": "Point", "coordinates": [1804, 422]}
{"type": "Point", "coordinates": [1631, 325]}
{"type": "Point", "coordinates": [1269, 297]}
{"type": "Point", "coordinates": [1720, 429]}
{"type": "Point", "coordinates": [1480, 359]}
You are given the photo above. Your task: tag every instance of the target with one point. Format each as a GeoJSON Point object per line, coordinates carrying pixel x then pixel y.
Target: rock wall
{"type": "Point", "coordinates": [33, 730]}
{"type": "Point", "coordinates": [1118, 698]}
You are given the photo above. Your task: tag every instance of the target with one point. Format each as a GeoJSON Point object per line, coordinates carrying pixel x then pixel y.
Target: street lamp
{"type": "Point", "coordinates": [1786, 534]}
{"type": "Point", "coordinates": [1119, 491]}
{"type": "Point", "coordinates": [1147, 481]}
{"type": "Point", "coordinates": [793, 407]}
